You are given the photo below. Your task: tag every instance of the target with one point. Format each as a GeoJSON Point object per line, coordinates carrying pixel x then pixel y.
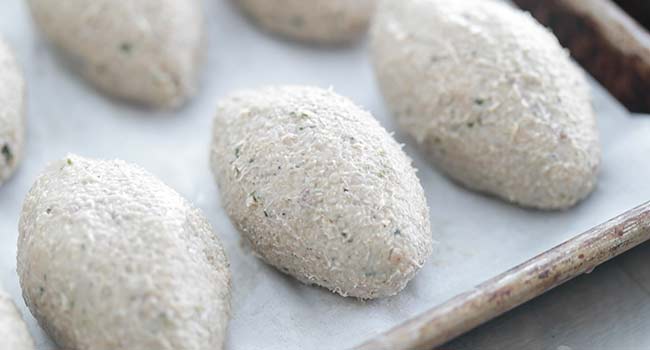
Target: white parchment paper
{"type": "Point", "coordinates": [478, 236]}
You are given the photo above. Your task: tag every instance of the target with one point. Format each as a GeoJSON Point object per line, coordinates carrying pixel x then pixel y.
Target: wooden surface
{"type": "Point", "coordinates": [606, 41]}
{"type": "Point", "coordinates": [520, 284]}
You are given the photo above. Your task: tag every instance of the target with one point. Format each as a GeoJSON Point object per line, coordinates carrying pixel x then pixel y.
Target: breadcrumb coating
{"type": "Point", "coordinates": [145, 51]}
{"type": "Point", "coordinates": [490, 97]}
{"type": "Point", "coordinates": [321, 190]}
{"type": "Point", "coordinates": [110, 258]}
{"type": "Point", "coordinates": [316, 21]}
{"type": "Point", "coordinates": [12, 112]}
{"type": "Point", "coordinates": [13, 331]}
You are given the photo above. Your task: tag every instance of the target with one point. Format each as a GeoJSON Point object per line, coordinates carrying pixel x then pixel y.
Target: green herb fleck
{"type": "Point", "coordinates": [479, 101]}
{"type": "Point", "coordinates": [266, 213]}
{"type": "Point", "coordinates": [126, 47]}
{"type": "Point", "coordinates": [165, 319]}
{"type": "Point", "coordinates": [470, 124]}
{"type": "Point", "coordinates": [7, 154]}
{"type": "Point", "coordinates": [397, 232]}
{"type": "Point", "coordinates": [302, 115]}
{"type": "Point", "coordinates": [237, 152]}
{"type": "Point", "coordinates": [69, 161]}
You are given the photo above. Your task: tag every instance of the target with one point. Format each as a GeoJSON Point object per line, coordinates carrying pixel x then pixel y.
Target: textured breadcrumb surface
{"type": "Point", "coordinates": [12, 112]}
{"type": "Point", "coordinates": [147, 51]}
{"type": "Point", "coordinates": [13, 331]}
{"type": "Point", "coordinates": [490, 97]}
{"type": "Point", "coordinates": [321, 190]}
{"type": "Point", "coordinates": [319, 21]}
{"type": "Point", "coordinates": [109, 257]}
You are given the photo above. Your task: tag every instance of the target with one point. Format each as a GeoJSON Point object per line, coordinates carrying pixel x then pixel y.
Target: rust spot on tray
{"type": "Point", "coordinates": [497, 296]}
{"type": "Point", "coordinates": [544, 274]}
{"type": "Point", "coordinates": [619, 231]}
{"type": "Point", "coordinates": [615, 248]}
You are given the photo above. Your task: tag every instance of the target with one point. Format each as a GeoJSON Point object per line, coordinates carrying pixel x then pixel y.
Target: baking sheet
{"type": "Point", "coordinates": [478, 236]}
{"type": "Point", "coordinates": [605, 310]}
